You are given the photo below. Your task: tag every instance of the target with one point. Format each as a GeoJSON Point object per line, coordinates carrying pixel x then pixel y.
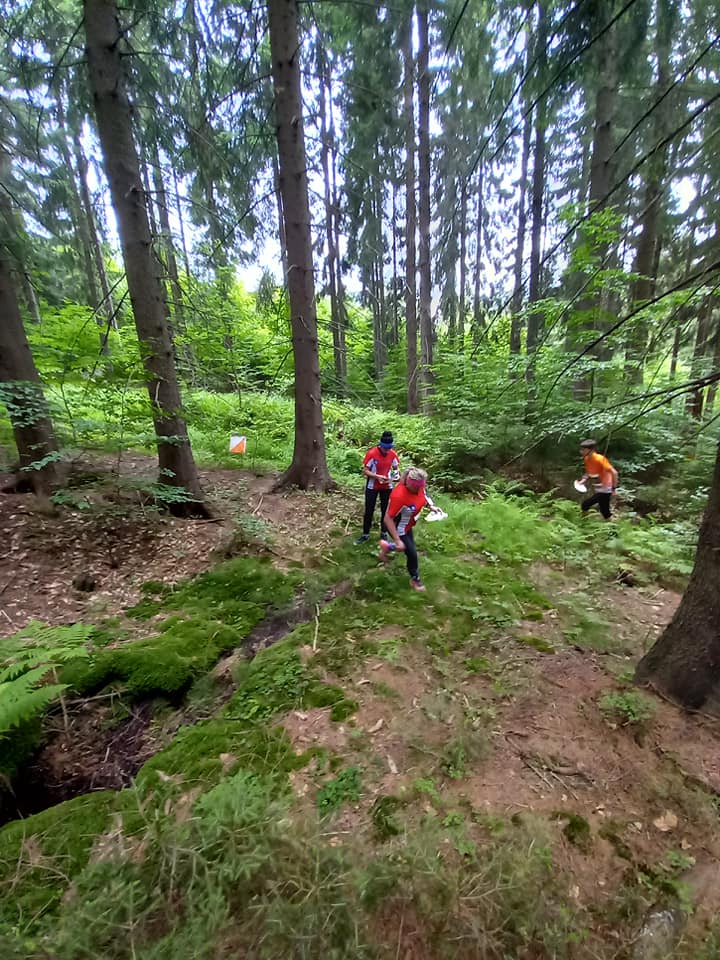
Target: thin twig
{"type": "Point", "coordinates": [7, 584]}
{"type": "Point", "coordinates": [317, 627]}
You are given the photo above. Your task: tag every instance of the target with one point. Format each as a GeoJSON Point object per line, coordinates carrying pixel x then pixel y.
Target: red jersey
{"type": "Point", "coordinates": [381, 461]}
{"type": "Point", "coordinates": [405, 506]}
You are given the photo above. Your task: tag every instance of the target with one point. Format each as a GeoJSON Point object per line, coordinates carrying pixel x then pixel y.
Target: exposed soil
{"type": "Point", "coordinates": [114, 546]}
{"type": "Point", "coordinates": [552, 753]}
{"type": "Point", "coordinates": [97, 751]}
{"type": "Point", "coordinates": [116, 543]}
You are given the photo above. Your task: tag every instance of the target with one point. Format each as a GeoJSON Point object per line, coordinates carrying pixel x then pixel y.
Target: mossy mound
{"type": "Point", "coordinates": [276, 681]}
{"type": "Point", "coordinates": [207, 752]}
{"type": "Point", "coordinates": [164, 665]}
{"type": "Point", "coordinates": [40, 855]}
{"type": "Point", "coordinates": [223, 593]}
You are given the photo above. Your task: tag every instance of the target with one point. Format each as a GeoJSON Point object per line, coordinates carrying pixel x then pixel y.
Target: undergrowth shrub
{"type": "Point", "coordinates": [629, 708]}
{"type": "Point", "coordinates": [28, 659]}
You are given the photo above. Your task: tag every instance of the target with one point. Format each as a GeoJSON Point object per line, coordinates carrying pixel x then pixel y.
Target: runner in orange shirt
{"type": "Point", "coordinates": [604, 476]}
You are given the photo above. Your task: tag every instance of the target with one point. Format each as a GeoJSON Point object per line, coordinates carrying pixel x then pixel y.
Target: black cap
{"type": "Point", "coordinates": [387, 437]}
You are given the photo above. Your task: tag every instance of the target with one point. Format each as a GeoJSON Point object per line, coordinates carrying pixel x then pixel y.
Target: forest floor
{"type": "Point", "coordinates": [467, 772]}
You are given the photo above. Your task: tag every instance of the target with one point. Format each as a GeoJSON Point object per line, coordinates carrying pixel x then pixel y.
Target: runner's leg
{"type": "Point", "coordinates": [370, 499]}
{"type": "Point", "coordinates": [411, 555]}
{"type": "Point", "coordinates": [384, 500]}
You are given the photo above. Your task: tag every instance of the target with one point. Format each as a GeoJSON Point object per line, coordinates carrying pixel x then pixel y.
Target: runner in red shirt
{"type": "Point", "coordinates": [381, 467]}
{"type": "Point", "coordinates": [406, 503]}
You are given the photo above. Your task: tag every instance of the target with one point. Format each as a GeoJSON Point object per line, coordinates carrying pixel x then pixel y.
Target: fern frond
{"type": "Point", "coordinates": [26, 659]}
{"type": "Point", "coordinates": [19, 703]}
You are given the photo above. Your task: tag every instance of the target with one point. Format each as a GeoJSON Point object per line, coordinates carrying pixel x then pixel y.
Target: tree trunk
{"type": "Point", "coordinates": [646, 263]}
{"type": "Point", "coordinates": [149, 201]}
{"type": "Point", "coordinates": [167, 239]}
{"type": "Point", "coordinates": [394, 333]}
{"type": "Point", "coordinates": [675, 350]}
{"type": "Point", "coordinates": [81, 231]}
{"type": "Point", "coordinates": [281, 220]}
{"type": "Point", "coordinates": [411, 323]}
{"type": "Point", "coordinates": [517, 299]}
{"type": "Point", "coordinates": [22, 393]}
{"type": "Point", "coordinates": [343, 318]}
{"type": "Point", "coordinates": [378, 271]}
{"type": "Point", "coordinates": [181, 223]}
{"type": "Point", "coordinates": [309, 466]}
{"type": "Point", "coordinates": [684, 663]}
{"type": "Point", "coordinates": [463, 264]}
{"type": "Point", "coordinates": [13, 230]}
{"type": "Point", "coordinates": [535, 322]}
{"type": "Point", "coordinates": [587, 306]}
{"type": "Point", "coordinates": [107, 304]}
{"type": "Point", "coordinates": [694, 406]}
{"type": "Point", "coordinates": [712, 389]}
{"type": "Point", "coordinates": [114, 122]}
{"type": "Point", "coordinates": [478, 319]}
{"type": "Point", "coordinates": [31, 300]}
{"type": "Point", "coordinates": [332, 257]}
{"type": "Point", "coordinates": [425, 317]}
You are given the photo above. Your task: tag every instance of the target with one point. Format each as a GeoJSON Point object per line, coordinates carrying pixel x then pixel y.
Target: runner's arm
{"type": "Point", "coordinates": [433, 506]}
{"type": "Point", "coordinates": [367, 472]}
{"type": "Point", "coordinates": [392, 530]}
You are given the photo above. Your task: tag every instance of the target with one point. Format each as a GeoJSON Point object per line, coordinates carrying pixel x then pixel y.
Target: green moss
{"type": "Point", "coordinates": [165, 664]}
{"type": "Point", "coordinates": [277, 681]}
{"type": "Point", "coordinates": [274, 682]}
{"type": "Point", "coordinates": [536, 615]}
{"type": "Point", "coordinates": [224, 593]}
{"type": "Point", "coordinates": [576, 830]}
{"type": "Point", "coordinates": [612, 832]}
{"type": "Point", "coordinates": [478, 665]}
{"type": "Point", "coordinates": [327, 695]}
{"type": "Point", "coordinates": [40, 855]}
{"type": "Point", "coordinates": [384, 690]}
{"type": "Point", "coordinates": [208, 751]}
{"type": "Point", "coordinates": [155, 588]}
{"type": "Point", "coordinates": [343, 709]}
{"type": "Point", "coordinates": [537, 642]}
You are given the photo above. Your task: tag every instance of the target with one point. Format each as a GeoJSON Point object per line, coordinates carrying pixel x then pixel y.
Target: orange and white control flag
{"type": "Point", "coordinates": [237, 444]}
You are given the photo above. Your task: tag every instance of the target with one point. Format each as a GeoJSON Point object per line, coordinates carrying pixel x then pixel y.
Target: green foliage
{"type": "Point", "coordinates": [576, 830]}
{"type": "Point", "coordinates": [383, 816]}
{"type": "Point", "coordinates": [628, 708]}
{"type": "Point", "coordinates": [276, 680]}
{"type": "Point", "coordinates": [463, 752]}
{"type": "Point", "coordinates": [205, 753]}
{"type": "Point", "coordinates": [26, 658]}
{"type": "Point", "coordinates": [344, 788]}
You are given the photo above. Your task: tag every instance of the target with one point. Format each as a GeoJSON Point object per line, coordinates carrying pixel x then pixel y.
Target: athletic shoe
{"type": "Point", "coordinates": [417, 584]}
{"type": "Point", "coordinates": [362, 539]}
{"type": "Point", "coordinates": [387, 550]}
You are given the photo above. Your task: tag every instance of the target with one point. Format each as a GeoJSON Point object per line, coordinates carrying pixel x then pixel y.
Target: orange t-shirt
{"type": "Point", "coordinates": [600, 469]}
